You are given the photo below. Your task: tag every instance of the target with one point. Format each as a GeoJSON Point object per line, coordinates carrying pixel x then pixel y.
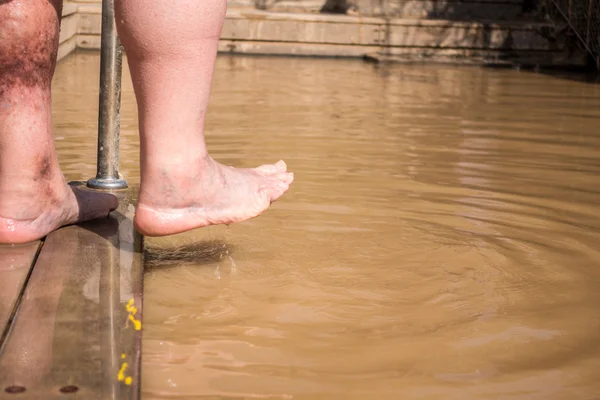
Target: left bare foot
{"type": "Point", "coordinates": [208, 194]}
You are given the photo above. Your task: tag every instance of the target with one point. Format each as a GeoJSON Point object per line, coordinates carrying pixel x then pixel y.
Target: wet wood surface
{"type": "Point", "coordinates": [77, 331]}
{"type": "Point", "coordinates": [15, 264]}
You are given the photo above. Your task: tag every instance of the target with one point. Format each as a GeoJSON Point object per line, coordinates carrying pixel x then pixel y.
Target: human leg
{"type": "Point", "coordinates": [34, 196]}
{"type": "Point", "coordinates": [171, 49]}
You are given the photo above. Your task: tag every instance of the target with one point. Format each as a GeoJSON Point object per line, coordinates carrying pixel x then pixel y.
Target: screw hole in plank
{"type": "Point", "coordinates": [69, 389]}
{"type": "Point", "coordinates": [14, 389]}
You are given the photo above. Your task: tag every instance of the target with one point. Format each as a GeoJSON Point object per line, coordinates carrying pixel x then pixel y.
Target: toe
{"type": "Point", "coordinates": [266, 169]}
{"type": "Point", "coordinates": [286, 177]}
{"type": "Point", "coordinates": [276, 189]}
{"type": "Point", "coordinates": [283, 177]}
{"type": "Point", "coordinates": [270, 169]}
{"type": "Point", "coordinates": [281, 166]}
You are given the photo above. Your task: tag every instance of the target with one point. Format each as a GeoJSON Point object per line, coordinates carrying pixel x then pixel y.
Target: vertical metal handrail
{"type": "Point", "coordinates": [111, 57]}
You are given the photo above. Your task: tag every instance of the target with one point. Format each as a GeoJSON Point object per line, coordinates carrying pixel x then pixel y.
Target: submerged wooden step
{"type": "Point", "coordinates": [77, 330]}
{"type": "Point", "coordinates": [15, 264]}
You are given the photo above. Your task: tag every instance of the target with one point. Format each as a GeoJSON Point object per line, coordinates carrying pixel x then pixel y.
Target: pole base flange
{"type": "Point", "coordinates": [107, 184]}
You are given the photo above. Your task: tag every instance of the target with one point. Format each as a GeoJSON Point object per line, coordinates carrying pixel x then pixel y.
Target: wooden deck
{"type": "Point", "coordinates": [70, 312]}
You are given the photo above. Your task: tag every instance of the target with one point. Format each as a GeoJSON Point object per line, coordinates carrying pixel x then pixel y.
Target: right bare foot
{"type": "Point", "coordinates": [31, 214]}
{"type": "Point", "coordinates": [181, 199]}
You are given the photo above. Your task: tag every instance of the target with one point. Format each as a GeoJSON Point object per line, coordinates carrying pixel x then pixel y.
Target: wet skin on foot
{"type": "Point", "coordinates": [48, 211]}
{"type": "Point", "coordinates": [217, 194]}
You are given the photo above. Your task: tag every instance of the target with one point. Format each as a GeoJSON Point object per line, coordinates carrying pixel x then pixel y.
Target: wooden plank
{"type": "Point", "coordinates": [68, 28]}
{"type": "Point", "coordinates": [69, 8]}
{"type": "Point", "coordinates": [88, 42]}
{"type": "Point", "coordinates": [78, 328]}
{"type": "Point", "coordinates": [66, 48]}
{"type": "Point", "coordinates": [16, 262]}
{"type": "Point", "coordinates": [297, 49]}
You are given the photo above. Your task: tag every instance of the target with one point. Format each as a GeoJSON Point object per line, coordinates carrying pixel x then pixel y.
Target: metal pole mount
{"type": "Point", "coordinates": [111, 59]}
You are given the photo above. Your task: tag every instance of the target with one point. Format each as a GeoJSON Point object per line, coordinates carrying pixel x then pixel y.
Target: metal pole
{"type": "Point", "coordinates": [111, 57]}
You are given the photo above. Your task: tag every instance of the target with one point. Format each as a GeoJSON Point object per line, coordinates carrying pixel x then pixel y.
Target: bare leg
{"type": "Point", "coordinates": [171, 49]}
{"type": "Point", "coordinates": [34, 196]}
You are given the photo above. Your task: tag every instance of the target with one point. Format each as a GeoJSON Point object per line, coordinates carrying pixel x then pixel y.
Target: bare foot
{"type": "Point", "coordinates": [176, 202]}
{"type": "Point", "coordinates": [26, 217]}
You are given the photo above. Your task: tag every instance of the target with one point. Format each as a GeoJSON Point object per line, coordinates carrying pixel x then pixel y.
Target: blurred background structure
{"type": "Point", "coordinates": [543, 33]}
{"type": "Point", "coordinates": [577, 18]}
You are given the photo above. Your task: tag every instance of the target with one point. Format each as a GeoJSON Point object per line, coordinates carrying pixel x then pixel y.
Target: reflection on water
{"type": "Point", "coordinates": [440, 241]}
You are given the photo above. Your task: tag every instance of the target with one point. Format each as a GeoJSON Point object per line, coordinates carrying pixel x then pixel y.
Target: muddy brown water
{"type": "Point", "coordinates": [441, 241]}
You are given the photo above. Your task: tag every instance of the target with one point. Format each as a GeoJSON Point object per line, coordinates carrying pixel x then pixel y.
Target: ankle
{"type": "Point", "coordinates": [179, 182]}
{"type": "Point", "coordinates": [27, 200]}
{"type": "Point", "coordinates": [179, 166]}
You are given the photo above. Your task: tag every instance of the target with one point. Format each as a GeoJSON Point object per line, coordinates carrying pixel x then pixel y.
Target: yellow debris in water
{"type": "Point", "coordinates": [121, 375]}
{"type": "Point", "coordinates": [136, 323]}
{"type": "Point", "coordinates": [132, 311]}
